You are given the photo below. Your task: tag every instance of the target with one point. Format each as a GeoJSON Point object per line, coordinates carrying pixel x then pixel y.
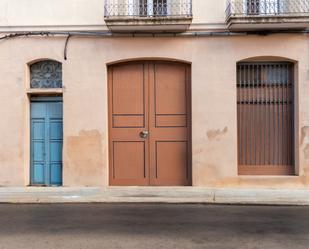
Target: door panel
{"type": "Point", "coordinates": [170, 89]}
{"type": "Point", "coordinates": [55, 110]}
{"type": "Point", "coordinates": [38, 173]}
{"type": "Point", "coordinates": [55, 141]}
{"type": "Point", "coordinates": [169, 124]}
{"type": "Point", "coordinates": [38, 148]}
{"type": "Point", "coordinates": [56, 173]}
{"type": "Point", "coordinates": [171, 120]}
{"type": "Point", "coordinates": [128, 121]}
{"type": "Point", "coordinates": [129, 162]}
{"type": "Point", "coordinates": [56, 129]}
{"type": "Point", "coordinates": [128, 100]}
{"type": "Point", "coordinates": [171, 163]}
{"type": "Point", "coordinates": [128, 90]}
{"type": "Point", "coordinates": [39, 151]}
{"type": "Point", "coordinates": [46, 142]}
{"type": "Point", "coordinates": [153, 97]}
{"type": "Point", "coordinates": [39, 128]}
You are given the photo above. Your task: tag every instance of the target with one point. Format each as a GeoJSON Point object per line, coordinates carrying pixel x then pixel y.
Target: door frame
{"type": "Point", "coordinates": [109, 107]}
{"type": "Point", "coordinates": [40, 98]}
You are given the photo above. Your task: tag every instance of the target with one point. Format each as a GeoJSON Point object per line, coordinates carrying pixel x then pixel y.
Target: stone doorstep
{"type": "Point", "coordinates": [155, 195]}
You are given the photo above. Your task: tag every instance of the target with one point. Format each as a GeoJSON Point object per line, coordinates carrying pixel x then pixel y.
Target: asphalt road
{"type": "Point", "coordinates": [152, 226]}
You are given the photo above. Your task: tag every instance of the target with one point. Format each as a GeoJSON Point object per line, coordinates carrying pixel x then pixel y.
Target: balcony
{"type": "Point", "coordinates": [148, 15]}
{"type": "Point", "coordinates": [267, 14]}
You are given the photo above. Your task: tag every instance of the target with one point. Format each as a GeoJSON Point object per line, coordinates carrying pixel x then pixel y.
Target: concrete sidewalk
{"type": "Point", "coordinates": [155, 194]}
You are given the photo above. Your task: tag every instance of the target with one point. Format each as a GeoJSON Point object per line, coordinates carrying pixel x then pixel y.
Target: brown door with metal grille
{"type": "Point", "coordinates": [150, 124]}
{"type": "Point", "coordinates": [265, 102]}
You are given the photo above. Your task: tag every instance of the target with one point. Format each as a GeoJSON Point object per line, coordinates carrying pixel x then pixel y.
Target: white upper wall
{"type": "Point", "coordinates": [209, 11]}
{"type": "Point", "coordinates": [20, 15]}
{"type": "Point", "coordinates": [51, 12]}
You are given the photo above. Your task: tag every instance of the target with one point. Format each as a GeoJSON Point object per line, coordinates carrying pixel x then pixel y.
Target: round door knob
{"type": "Point", "coordinates": [144, 134]}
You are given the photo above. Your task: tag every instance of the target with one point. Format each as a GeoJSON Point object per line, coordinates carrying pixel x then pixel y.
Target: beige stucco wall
{"type": "Point", "coordinates": [31, 15]}
{"type": "Point", "coordinates": [85, 103]}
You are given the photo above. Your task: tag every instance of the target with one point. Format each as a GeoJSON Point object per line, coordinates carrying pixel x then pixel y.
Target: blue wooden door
{"type": "Point", "coordinates": [46, 141]}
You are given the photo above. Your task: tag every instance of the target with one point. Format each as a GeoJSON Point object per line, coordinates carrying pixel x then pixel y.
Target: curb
{"type": "Point", "coordinates": [299, 197]}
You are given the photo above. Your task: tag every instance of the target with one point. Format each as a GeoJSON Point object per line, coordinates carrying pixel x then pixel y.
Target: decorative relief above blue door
{"type": "Point", "coordinates": [46, 74]}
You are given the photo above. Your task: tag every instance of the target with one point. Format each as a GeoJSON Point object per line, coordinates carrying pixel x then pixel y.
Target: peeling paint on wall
{"type": "Point", "coordinates": [306, 151]}
{"type": "Point", "coordinates": [304, 140]}
{"type": "Point", "coordinates": [304, 134]}
{"type": "Point", "coordinates": [216, 134]}
{"type": "Point", "coordinates": [85, 158]}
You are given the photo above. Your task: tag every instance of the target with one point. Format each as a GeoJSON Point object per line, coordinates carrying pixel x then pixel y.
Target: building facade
{"type": "Point", "coordinates": [154, 93]}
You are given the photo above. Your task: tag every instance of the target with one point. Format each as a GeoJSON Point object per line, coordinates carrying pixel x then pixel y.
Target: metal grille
{"type": "Point", "coordinates": [148, 8]}
{"type": "Point", "coordinates": [46, 74]}
{"type": "Point", "coordinates": [267, 7]}
{"type": "Point", "coordinates": [265, 116]}
{"type": "Point", "coordinates": [156, 8]}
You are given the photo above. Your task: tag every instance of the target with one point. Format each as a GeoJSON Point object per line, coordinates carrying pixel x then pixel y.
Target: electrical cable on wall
{"type": "Point", "coordinates": [66, 47]}
{"type": "Point", "coordinates": [109, 34]}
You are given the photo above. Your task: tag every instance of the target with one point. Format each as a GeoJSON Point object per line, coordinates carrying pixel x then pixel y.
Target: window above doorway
{"type": "Point", "coordinates": [46, 74]}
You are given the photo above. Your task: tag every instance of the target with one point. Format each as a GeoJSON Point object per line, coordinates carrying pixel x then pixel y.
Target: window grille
{"type": "Point", "coordinates": [46, 74]}
{"type": "Point", "coordinates": [265, 105]}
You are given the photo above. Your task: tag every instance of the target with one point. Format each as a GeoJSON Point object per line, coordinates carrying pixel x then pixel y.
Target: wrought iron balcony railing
{"type": "Point", "coordinates": [264, 8]}
{"type": "Point", "coordinates": [147, 8]}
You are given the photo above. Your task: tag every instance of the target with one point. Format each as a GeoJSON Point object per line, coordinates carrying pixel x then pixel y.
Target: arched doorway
{"type": "Point", "coordinates": [150, 123]}
{"type": "Point", "coordinates": [265, 117]}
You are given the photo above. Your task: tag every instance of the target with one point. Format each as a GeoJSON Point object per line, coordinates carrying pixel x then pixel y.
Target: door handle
{"type": "Point", "coordinates": [144, 134]}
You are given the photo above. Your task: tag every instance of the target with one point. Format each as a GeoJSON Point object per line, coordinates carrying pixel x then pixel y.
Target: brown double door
{"type": "Point", "coordinates": [150, 124]}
